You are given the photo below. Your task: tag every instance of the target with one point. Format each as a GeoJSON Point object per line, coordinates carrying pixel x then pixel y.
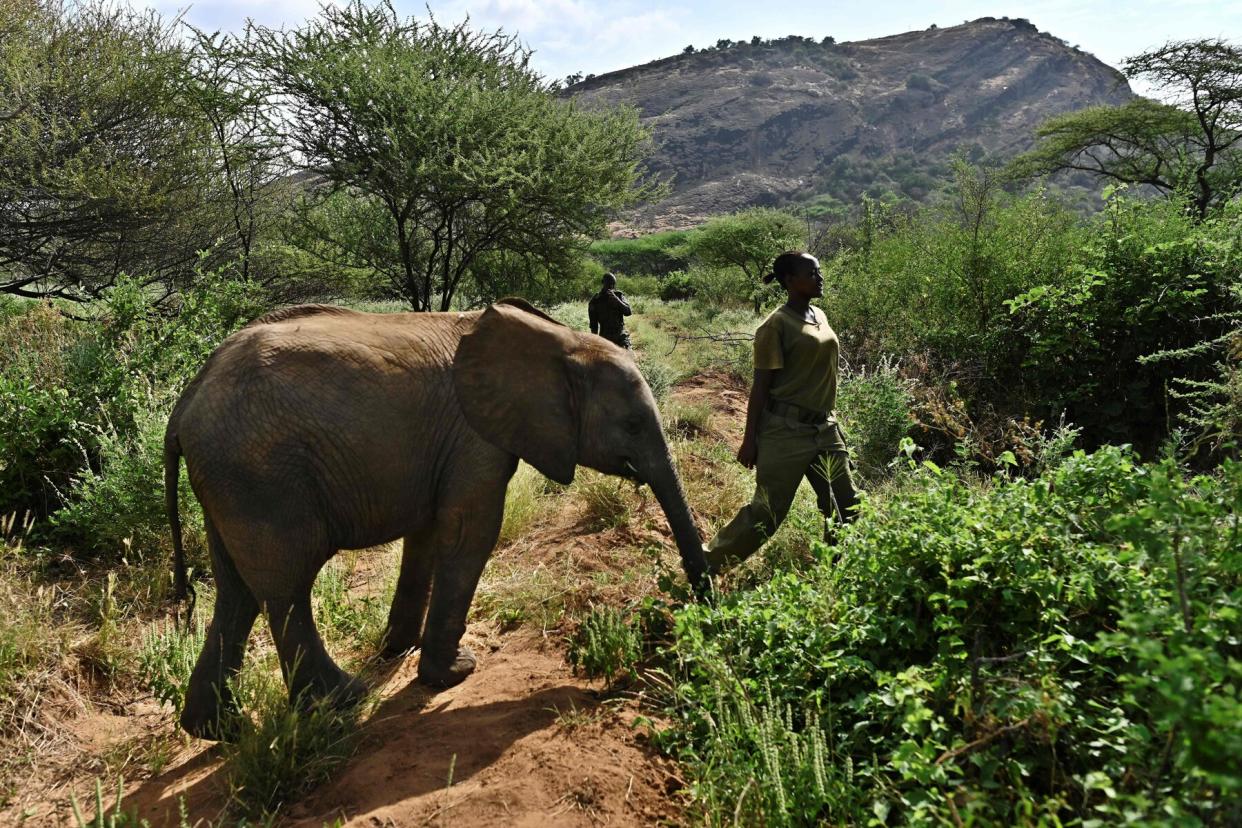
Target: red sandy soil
{"type": "Point", "coordinates": [526, 741]}
{"type": "Point", "coordinates": [529, 743]}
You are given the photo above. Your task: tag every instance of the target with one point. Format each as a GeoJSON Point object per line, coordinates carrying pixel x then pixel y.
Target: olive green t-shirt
{"type": "Point", "coordinates": [804, 355]}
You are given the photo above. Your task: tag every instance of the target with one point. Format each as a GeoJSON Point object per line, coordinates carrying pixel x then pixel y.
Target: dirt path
{"type": "Point", "coordinates": [525, 743]}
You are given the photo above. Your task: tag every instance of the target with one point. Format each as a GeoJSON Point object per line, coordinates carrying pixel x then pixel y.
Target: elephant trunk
{"type": "Point", "coordinates": [667, 488]}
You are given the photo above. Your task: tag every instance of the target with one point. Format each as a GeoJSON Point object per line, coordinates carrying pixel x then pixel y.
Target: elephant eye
{"type": "Point", "coordinates": [633, 425]}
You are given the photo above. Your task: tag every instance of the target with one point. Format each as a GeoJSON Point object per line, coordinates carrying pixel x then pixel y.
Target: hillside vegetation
{"type": "Point", "coordinates": [817, 124]}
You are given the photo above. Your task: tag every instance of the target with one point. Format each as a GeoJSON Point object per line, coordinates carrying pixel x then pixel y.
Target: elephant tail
{"type": "Point", "coordinates": [172, 474]}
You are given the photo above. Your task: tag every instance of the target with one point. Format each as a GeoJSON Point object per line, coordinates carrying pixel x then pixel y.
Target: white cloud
{"type": "Point", "coordinates": [594, 36]}
{"type": "Point", "coordinates": [576, 35]}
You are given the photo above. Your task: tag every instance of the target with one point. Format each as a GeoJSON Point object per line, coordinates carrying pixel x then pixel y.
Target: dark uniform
{"type": "Point", "coordinates": [607, 311]}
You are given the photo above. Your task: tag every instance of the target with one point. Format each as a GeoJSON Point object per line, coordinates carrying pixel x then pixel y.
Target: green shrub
{"type": "Point", "coordinates": [116, 505]}
{"type": "Point", "coordinates": [919, 81]}
{"type": "Point", "coordinates": [1148, 279]}
{"type": "Point", "coordinates": [280, 751]}
{"type": "Point", "coordinates": [605, 645]}
{"type": "Point", "coordinates": [83, 405]}
{"type": "Point", "coordinates": [676, 285]}
{"type": "Point", "coordinates": [874, 408]}
{"type": "Point", "coordinates": [633, 286]}
{"type": "Point", "coordinates": [729, 288]}
{"type": "Point", "coordinates": [655, 254]}
{"type": "Point", "coordinates": [43, 414]}
{"type": "Point", "coordinates": [1055, 650]}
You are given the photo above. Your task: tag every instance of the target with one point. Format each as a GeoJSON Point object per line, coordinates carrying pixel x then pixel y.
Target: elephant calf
{"type": "Point", "coordinates": [318, 428]}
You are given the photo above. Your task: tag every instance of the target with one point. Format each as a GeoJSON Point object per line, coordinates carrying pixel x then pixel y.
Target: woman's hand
{"type": "Point", "coordinates": [748, 454]}
{"type": "Point", "coordinates": [749, 451]}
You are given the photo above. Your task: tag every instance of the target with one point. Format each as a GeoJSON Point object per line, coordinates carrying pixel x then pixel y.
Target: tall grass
{"type": "Point", "coordinates": [280, 751]}
{"type": "Point", "coordinates": [167, 657]}
{"type": "Point", "coordinates": [31, 636]}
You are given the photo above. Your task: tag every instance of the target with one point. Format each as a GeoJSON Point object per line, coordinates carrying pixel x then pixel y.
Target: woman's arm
{"type": "Point", "coordinates": [748, 454]}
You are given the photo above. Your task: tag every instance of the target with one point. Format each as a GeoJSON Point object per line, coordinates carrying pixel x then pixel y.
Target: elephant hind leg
{"type": "Point", "coordinates": [409, 603]}
{"type": "Point", "coordinates": [310, 673]}
{"type": "Point", "coordinates": [209, 702]}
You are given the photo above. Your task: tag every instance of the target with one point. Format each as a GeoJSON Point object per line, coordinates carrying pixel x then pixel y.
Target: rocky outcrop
{"type": "Point", "coordinates": [818, 123]}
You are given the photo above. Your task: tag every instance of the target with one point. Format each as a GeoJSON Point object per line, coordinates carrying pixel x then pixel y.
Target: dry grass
{"type": "Point", "coordinates": [514, 593]}
{"type": "Point", "coordinates": [79, 646]}
{"type": "Point", "coordinates": [716, 484]}
{"type": "Point", "coordinates": [524, 503]}
{"type": "Point", "coordinates": [687, 421]}
{"type": "Point", "coordinates": [607, 502]}
{"type": "Point", "coordinates": [36, 682]}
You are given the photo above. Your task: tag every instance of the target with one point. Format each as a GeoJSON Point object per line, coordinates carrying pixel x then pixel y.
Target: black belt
{"type": "Point", "coordinates": [797, 412]}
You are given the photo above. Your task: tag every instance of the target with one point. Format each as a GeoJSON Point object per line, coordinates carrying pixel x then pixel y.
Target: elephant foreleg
{"type": "Point", "coordinates": [466, 537]}
{"type": "Point", "coordinates": [409, 603]}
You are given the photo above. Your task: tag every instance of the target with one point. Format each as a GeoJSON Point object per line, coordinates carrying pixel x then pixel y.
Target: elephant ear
{"type": "Point", "coordinates": [515, 378]}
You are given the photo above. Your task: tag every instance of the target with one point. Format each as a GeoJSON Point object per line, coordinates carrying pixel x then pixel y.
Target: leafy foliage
{"type": "Point", "coordinates": [1150, 279]}
{"type": "Point", "coordinates": [875, 409]}
{"type": "Point", "coordinates": [655, 254]}
{"type": "Point", "coordinates": [1063, 648]}
{"type": "Point", "coordinates": [1188, 149]}
{"type": "Point", "coordinates": [107, 166]}
{"type": "Point", "coordinates": [451, 137]}
{"type": "Point", "coordinates": [605, 645]}
{"type": "Point", "coordinates": [749, 241]}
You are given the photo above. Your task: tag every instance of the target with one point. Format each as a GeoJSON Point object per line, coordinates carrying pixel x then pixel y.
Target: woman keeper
{"type": "Point", "coordinates": [790, 429]}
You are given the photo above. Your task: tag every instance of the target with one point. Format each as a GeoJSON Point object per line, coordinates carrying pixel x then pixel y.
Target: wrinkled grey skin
{"type": "Point", "coordinates": [315, 429]}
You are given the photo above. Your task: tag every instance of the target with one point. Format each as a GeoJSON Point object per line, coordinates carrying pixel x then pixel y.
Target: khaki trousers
{"type": "Point", "coordinates": [788, 451]}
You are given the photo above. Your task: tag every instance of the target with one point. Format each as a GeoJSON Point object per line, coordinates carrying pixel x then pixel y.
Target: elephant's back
{"type": "Point", "coordinates": [304, 341]}
{"type": "Point", "coordinates": [308, 393]}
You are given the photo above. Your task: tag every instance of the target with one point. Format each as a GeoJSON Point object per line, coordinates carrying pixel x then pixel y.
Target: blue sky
{"type": "Point", "coordinates": [596, 37]}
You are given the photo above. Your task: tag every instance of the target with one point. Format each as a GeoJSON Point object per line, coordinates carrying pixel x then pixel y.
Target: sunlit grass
{"type": "Point", "coordinates": [525, 502]}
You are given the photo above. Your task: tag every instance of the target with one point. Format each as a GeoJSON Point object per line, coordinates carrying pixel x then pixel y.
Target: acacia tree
{"type": "Point", "coordinates": [459, 143]}
{"type": "Point", "coordinates": [102, 163]}
{"type": "Point", "coordinates": [1188, 147]}
{"type": "Point", "coordinates": [748, 240]}
{"type": "Point", "coordinates": [230, 97]}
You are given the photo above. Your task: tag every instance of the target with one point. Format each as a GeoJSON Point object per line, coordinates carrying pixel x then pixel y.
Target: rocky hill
{"type": "Point", "coordinates": [818, 123]}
